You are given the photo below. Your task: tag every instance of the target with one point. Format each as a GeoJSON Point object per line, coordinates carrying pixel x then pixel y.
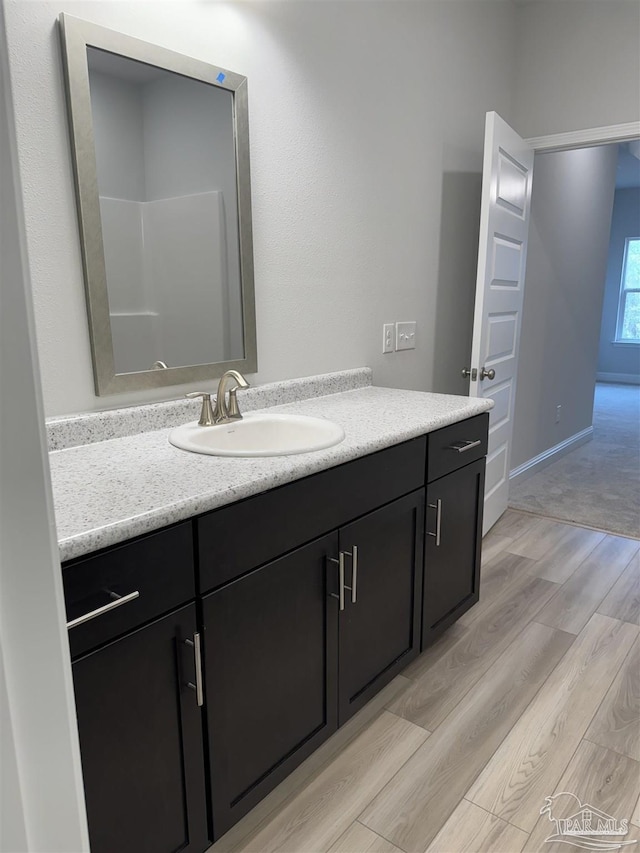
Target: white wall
{"type": "Point", "coordinates": [571, 210]}
{"type": "Point", "coordinates": [366, 125]}
{"type": "Point", "coordinates": [578, 65]}
{"type": "Point", "coordinates": [41, 797]}
{"type": "Point", "coordinates": [619, 359]}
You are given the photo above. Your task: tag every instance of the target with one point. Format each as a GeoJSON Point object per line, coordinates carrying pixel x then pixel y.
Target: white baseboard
{"type": "Point", "coordinates": [551, 455]}
{"type": "Point", "coordinates": [623, 378]}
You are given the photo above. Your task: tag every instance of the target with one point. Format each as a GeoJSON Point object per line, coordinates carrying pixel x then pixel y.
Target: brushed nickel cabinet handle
{"type": "Point", "coordinates": [353, 589]}
{"type": "Point", "coordinates": [118, 601]}
{"type": "Point", "coordinates": [197, 658]}
{"type": "Point", "coordinates": [354, 575]}
{"type": "Point", "coordinates": [340, 594]}
{"type": "Point", "coordinates": [463, 446]}
{"type": "Point", "coordinates": [438, 508]}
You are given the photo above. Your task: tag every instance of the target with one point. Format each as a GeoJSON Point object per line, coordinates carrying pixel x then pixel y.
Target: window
{"type": "Point", "coordinates": [628, 329]}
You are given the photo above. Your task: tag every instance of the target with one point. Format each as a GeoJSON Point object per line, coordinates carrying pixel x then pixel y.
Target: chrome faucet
{"type": "Point", "coordinates": [222, 413]}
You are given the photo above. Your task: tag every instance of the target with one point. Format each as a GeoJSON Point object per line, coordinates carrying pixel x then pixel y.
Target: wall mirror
{"type": "Point", "coordinates": [161, 156]}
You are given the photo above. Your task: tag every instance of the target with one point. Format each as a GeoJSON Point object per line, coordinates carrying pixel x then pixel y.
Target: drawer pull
{"type": "Point", "coordinates": [118, 601]}
{"type": "Point", "coordinates": [438, 508]}
{"type": "Point", "coordinates": [463, 446]}
{"type": "Point", "coordinates": [197, 658]}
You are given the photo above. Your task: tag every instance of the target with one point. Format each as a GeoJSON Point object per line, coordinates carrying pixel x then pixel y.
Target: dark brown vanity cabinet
{"type": "Point", "coordinates": [453, 540]}
{"type": "Point", "coordinates": [139, 723]}
{"type": "Point", "coordinates": [307, 600]}
{"type": "Point", "coordinates": [296, 646]}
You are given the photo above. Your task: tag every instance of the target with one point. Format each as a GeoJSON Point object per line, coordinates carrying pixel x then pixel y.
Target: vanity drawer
{"type": "Point", "coordinates": [456, 445]}
{"type": "Point", "coordinates": [235, 539]}
{"type": "Point", "coordinates": [159, 567]}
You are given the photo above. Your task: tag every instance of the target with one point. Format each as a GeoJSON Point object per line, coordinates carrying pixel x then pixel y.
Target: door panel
{"type": "Point", "coordinates": [270, 654]}
{"type": "Point", "coordinates": [507, 260]}
{"type": "Point", "coordinates": [379, 632]}
{"type": "Point", "coordinates": [502, 250]}
{"type": "Point", "coordinates": [141, 743]}
{"type": "Point", "coordinates": [452, 561]}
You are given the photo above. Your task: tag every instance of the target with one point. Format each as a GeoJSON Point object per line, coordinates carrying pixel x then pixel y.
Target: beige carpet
{"type": "Point", "coordinates": [598, 484]}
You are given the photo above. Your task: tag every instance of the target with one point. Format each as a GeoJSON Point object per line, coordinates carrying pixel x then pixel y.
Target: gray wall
{"type": "Point", "coordinates": [578, 65]}
{"type": "Point", "coordinates": [571, 210]}
{"type": "Point", "coordinates": [619, 358]}
{"type": "Point", "coordinates": [367, 124]}
{"type": "Point", "coordinates": [119, 136]}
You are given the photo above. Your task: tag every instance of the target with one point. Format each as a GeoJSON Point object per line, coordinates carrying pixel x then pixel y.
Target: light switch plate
{"type": "Point", "coordinates": [406, 335]}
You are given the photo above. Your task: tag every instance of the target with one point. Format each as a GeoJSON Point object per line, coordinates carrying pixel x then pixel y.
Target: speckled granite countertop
{"type": "Point", "coordinates": [110, 491]}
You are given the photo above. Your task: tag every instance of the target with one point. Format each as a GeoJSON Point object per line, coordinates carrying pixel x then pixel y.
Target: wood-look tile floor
{"type": "Point", "coordinates": [535, 691]}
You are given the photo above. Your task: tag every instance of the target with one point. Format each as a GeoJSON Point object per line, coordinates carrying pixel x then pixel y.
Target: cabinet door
{"type": "Point", "coordinates": [452, 558]}
{"type": "Point", "coordinates": [270, 656]}
{"type": "Point", "coordinates": [141, 741]}
{"type": "Point", "coordinates": [379, 628]}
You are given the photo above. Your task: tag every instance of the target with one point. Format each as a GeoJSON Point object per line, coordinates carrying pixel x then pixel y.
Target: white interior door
{"type": "Point", "coordinates": [504, 225]}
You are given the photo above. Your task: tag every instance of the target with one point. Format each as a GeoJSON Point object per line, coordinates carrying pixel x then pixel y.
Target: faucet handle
{"type": "Point", "coordinates": [206, 413]}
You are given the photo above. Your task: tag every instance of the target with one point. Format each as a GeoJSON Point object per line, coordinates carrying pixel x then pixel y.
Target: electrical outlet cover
{"type": "Point", "coordinates": [388, 337]}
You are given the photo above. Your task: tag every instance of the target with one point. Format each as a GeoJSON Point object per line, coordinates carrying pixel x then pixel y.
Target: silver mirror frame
{"type": "Point", "coordinates": [77, 35]}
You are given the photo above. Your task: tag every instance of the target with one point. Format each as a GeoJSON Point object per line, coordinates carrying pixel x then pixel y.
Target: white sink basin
{"type": "Point", "coordinates": [259, 435]}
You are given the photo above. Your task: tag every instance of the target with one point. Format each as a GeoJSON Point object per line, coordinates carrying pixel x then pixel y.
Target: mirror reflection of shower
{"type": "Point", "coordinates": [166, 168]}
